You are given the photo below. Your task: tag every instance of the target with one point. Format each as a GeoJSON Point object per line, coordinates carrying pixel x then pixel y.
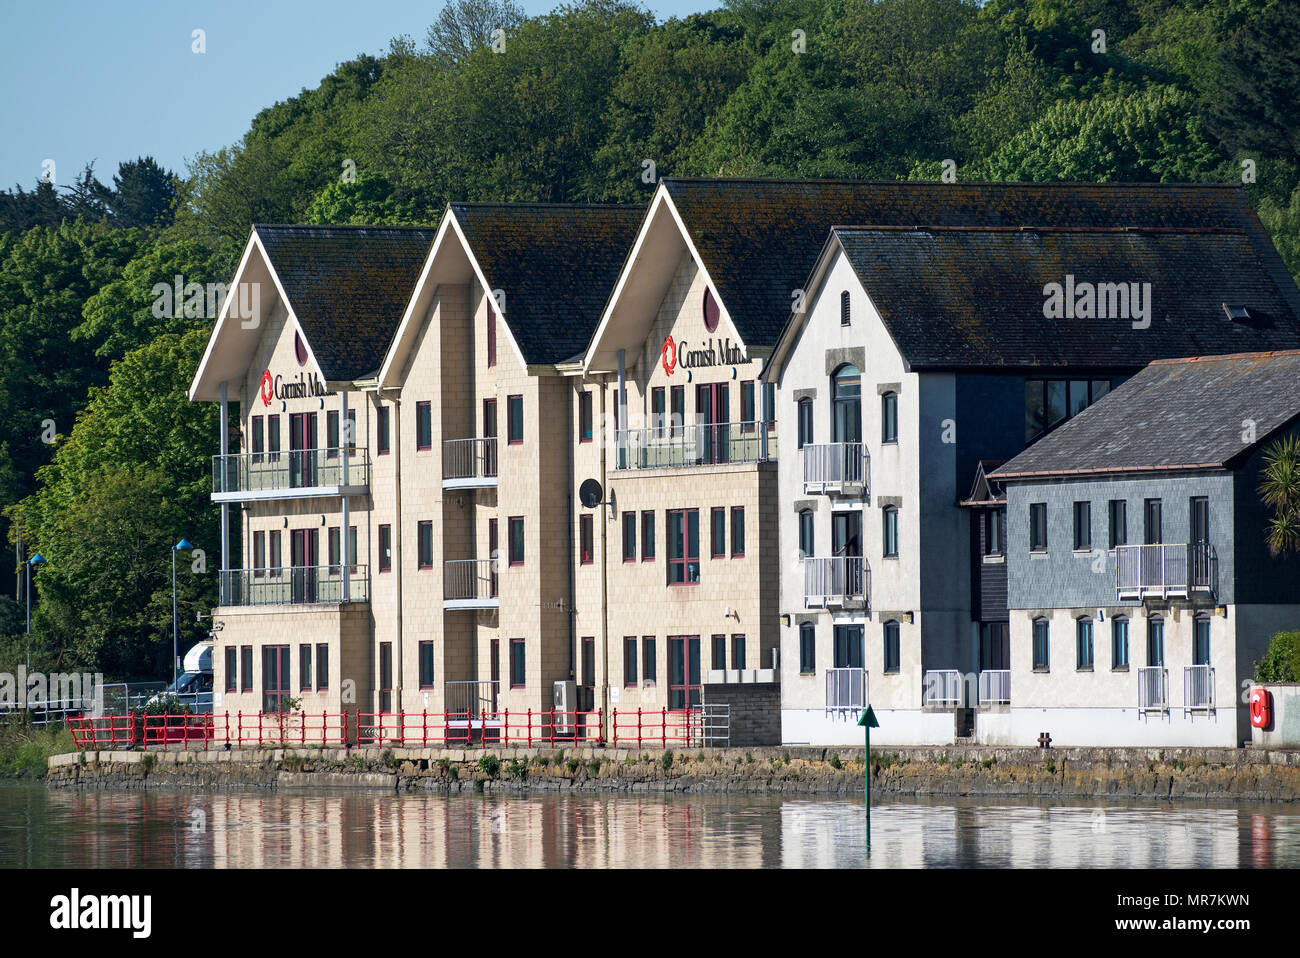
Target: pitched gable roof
{"type": "Point", "coordinates": [759, 238]}
{"type": "Point", "coordinates": [348, 287]}
{"type": "Point", "coordinates": [974, 297]}
{"type": "Point", "coordinates": [555, 262]}
{"type": "Point", "coordinates": [1175, 415]}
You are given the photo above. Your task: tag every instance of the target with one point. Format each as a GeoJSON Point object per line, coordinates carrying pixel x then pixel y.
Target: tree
{"type": "Point", "coordinates": [1279, 487]}
{"type": "Point", "coordinates": [143, 194]}
{"type": "Point", "coordinates": [1281, 663]}
{"type": "Point", "coordinates": [464, 26]}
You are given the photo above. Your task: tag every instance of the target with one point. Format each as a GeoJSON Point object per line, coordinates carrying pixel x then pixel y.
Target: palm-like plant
{"type": "Point", "coordinates": [1279, 487]}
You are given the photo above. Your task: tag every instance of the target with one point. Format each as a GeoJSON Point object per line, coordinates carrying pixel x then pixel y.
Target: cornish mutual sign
{"type": "Point", "coordinates": [301, 387]}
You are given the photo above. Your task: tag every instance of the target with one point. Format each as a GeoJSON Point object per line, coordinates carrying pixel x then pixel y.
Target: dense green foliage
{"type": "Point", "coordinates": [593, 102]}
{"type": "Point", "coordinates": [1281, 663]}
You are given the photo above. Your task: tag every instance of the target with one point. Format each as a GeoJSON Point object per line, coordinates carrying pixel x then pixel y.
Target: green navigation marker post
{"type": "Point", "coordinates": [868, 722]}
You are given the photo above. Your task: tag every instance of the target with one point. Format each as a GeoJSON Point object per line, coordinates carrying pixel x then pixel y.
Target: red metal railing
{"type": "Point", "coordinates": [662, 727]}
{"type": "Point", "coordinates": [527, 728]}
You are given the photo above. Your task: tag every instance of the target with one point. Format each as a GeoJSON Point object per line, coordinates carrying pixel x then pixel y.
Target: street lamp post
{"type": "Point", "coordinates": [36, 559]}
{"type": "Point", "coordinates": [185, 545]}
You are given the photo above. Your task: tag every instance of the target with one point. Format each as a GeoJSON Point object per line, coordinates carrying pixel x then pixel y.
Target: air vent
{"type": "Point", "coordinates": [1238, 314]}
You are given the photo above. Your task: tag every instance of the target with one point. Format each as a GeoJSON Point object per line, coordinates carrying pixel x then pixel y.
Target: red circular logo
{"type": "Point", "coordinates": [669, 355]}
{"type": "Point", "coordinates": [266, 387]}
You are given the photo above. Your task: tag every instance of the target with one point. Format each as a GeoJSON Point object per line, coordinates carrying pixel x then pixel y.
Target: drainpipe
{"type": "Point", "coordinates": [573, 595]}
{"type": "Point", "coordinates": [225, 451]}
{"type": "Point", "coordinates": [604, 563]}
{"type": "Point", "coordinates": [345, 553]}
{"type": "Point", "coordinates": [396, 445]}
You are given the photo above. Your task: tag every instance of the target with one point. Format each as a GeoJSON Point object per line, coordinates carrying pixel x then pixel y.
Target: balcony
{"type": "Point", "coordinates": [470, 584]}
{"type": "Point", "coordinates": [840, 468]}
{"type": "Point", "coordinates": [469, 463]}
{"type": "Point", "coordinates": [1165, 570]}
{"type": "Point", "coordinates": [677, 445]}
{"type": "Point", "coordinates": [846, 689]}
{"type": "Point", "coordinates": [995, 687]}
{"type": "Point", "coordinates": [1198, 688]}
{"type": "Point", "coordinates": [1153, 689]}
{"type": "Point", "coordinates": [297, 474]}
{"type": "Point", "coordinates": [942, 688]}
{"type": "Point", "coordinates": [293, 585]}
{"type": "Point", "coordinates": [835, 582]}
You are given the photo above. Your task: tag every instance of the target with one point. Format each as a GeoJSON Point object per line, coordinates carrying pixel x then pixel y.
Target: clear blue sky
{"type": "Point", "coordinates": [108, 82]}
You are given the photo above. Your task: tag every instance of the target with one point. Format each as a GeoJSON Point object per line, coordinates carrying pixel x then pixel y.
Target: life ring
{"type": "Point", "coordinates": [1261, 707]}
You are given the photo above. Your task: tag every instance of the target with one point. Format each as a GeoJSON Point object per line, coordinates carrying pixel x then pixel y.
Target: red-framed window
{"type": "Point", "coordinates": [586, 539]}
{"type": "Point", "coordinates": [737, 651]}
{"type": "Point", "coordinates": [657, 412]}
{"type": "Point", "coordinates": [257, 431]}
{"type": "Point", "coordinates": [683, 546]}
{"type": "Point", "coordinates": [426, 665]}
{"type": "Point", "coordinates": [273, 438]}
{"type": "Point", "coordinates": [385, 548]}
{"type": "Point", "coordinates": [629, 661]}
{"type": "Point", "coordinates": [515, 419]}
{"type": "Point", "coordinates": [259, 554]}
{"type": "Point", "coordinates": [648, 536]}
{"type": "Point", "coordinates": [718, 533]}
{"type": "Point", "coordinates": [747, 417]}
{"type": "Point", "coordinates": [515, 539]}
{"type": "Point", "coordinates": [331, 434]}
{"type": "Point", "coordinates": [246, 668]}
{"type": "Point", "coordinates": [385, 676]}
{"type": "Point", "coordinates": [384, 445]}
{"type": "Point", "coordinates": [304, 667]}
{"type": "Point", "coordinates": [648, 663]}
{"type": "Point", "coordinates": [719, 647]}
{"type": "Point", "coordinates": [493, 549]}
{"type": "Point", "coordinates": [274, 557]}
{"type": "Point", "coordinates": [517, 663]}
{"type": "Point", "coordinates": [491, 335]}
{"type": "Point", "coordinates": [425, 531]}
{"type": "Point", "coordinates": [232, 666]}
{"type": "Point", "coordinates": [584, 416]}
{"type": "Point", "coordinates": [629, 537]}
{"type": "Point", "coordinates": [423, 425]}
{"type": "Point", "coordinates": [322, 666]}
{"type": "Point", "coordinates": [737, 531]}
{"type": "Point", "coordinates": [678, 425]}
{"type": "Point", "coordinates": [275, 676]}
{"type": "Point", "coordinates": [769, 406]}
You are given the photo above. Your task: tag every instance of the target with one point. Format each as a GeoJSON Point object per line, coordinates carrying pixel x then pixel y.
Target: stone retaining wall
{"type": "Point", "coordinates": [1172, 774]}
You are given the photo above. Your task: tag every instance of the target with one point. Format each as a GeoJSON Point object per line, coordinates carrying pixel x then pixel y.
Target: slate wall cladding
{"type": "Point", "coordinates": [1261, 577]}
{"type": "Point", "coordinates": [755, 711]}
{"type": "Point", "coordinates": [1065, 579]}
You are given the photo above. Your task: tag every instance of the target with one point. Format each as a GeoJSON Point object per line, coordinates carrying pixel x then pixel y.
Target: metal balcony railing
{"type": "Point", "coordinates": [293, 585]}
{"type": "Point", "coordinates": [1198, 688]}
{"type": "Point", "coordinates": [673, 445]}
{"type": "Point", "coordinates": [846, 689]}
{"type": "Point", "coordinates": [466, 460]}
{"type": "Point", "coordinates": [942, 687]}
{"type": "Point", "coordinates": [469, 580]}
{"type": "Point", "coordinates": [842, 581]}
{"type": "Point", "coordinates": [995, 687]}
{"type": "Point", "coordinates": [297, 470]}
{"type": "Point", "coordinates": [835, 467]}
{"type": "Point", "coordinates": [1153, 689]}
{"type": "Point", "coordinates": [1165, 569]}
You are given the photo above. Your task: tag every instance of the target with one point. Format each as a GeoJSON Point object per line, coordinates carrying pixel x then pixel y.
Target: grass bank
{"type": "Point", "coordinates": [25, 750]}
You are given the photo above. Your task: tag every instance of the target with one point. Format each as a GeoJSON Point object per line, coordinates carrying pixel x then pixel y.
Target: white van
{"type": "Point", "coordinates": [193, 687]}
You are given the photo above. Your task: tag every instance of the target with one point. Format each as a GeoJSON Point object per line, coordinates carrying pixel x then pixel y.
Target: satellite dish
{"type": "Point", "coordinates": [590, 493]}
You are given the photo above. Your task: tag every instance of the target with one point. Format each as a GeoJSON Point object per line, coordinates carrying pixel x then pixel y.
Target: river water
{"type": "Point", "coordinates": [362, 829]}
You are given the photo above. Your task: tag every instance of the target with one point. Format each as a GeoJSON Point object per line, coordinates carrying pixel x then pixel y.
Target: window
{"type": "Point", "coordinates": [494, 553]}
{"type": "Point", "coordinates": [516, 540]}
{"type": "Point", "coordinates": [259, 554]}
{"type": "Point", "coordinates": [737, 531]}
{"type": "Point", "coordinates": [769, 406]}
{"type": "Point", "coordinates": [304, 668]}
{"type": "Point", "coordinates": [322, 666]}
{"type": "Point", "coordinates": [423, 425]}
{"type": "Point", "coordinates": [718, 533]}
{"type": "Point", "coordinates": [1041, 662]}
{"type": "Point", "coordinates": [584, 416]}
{"type": "Point", "coordinates": [1050, 402]}
{"type": "Point", "coordinates": [258, 430]}
{"type": "Point", "coordinates": [273, 437]}
{"type": "Point", "coordinates": [332, 549]}
{"type": "Point", "coordinates": [890, 532]}
{"type": "Point", "coordinates": [737, 651]}
{"type": "Point", "coordinates": [891, 647]}
{"type": "Point", "coordinates": [1118, 511]}
{"type": "Point", "coordinates": [629, 537]}
{"type": "Point", "coordinates": [350, 430]}
{"type": "Point", "coordinates": [1119, 643]}
{"type": "Point", "coordinates": [807, 649]}
{"type": "Point", "coordinates": [246, 668]}
{"type": "Point", "coordinates": [426, 665]}
{"type": "Point", "coordinates": [678, 396]}
{"type": "Point", "coordinates": [747, 416]}
{"type": "Point", "coordinates": [847, 647]}
{"type": "Point", "coordinates": [1151, 521]}
{"type": "Point", "coordinates": [648, 536]}
{"type": "Point", "coordinates": [844, 308]}
{"type": "Point", "coordinates": [331, 434]}
{"type": "Point", "coordinates": [806, 532]}
{"type": "Point", "coordinates": [657, 411]}
{"type": "Point", "coordinates": [1082, 526]}
{"type": "Point", "coordinates": [426, 544]}
{"type": "Point", "coordinates": [491, 336]}
{"type": "Point", "coordinates": [1155, 641]}
{"type": "Point", "coordinates": [995, 532]}
{"type": "Point", "coordinates": [385, 548]}
{"type": "Point", "coordinates": [275, 552]}
{"type": "Point", "coordinates": [629, 661]}
{"type": "Point", "coordinates": [1083, 644]}
{"type": "Point", "coordinates": [384, 443]}
{"type": "Point", "coordinates": [683, 546]}
{"type": "Point", "coordinates": [1201, 640]}
{"type": "Point", "coordinates": [889, 417]}
{"type": "Point", "coordinates": [232, 664]}
{"type": "Point", "coordinates": [588, 668]}
{"type": "Point", "coordinates": [275, 676]}
{"type": "Point", "coordinates": [805, 418]}
{"type": "Point", "coordinates": [648, 659]}
{"type": "Point", "coordinates": [585, 539]}
{"type": "Point", "coordinates": [1038, 527]}
{"type": "Point", "coordinates": [515, 419]}
{"type": "Point", "coordinates": [385, 676]}
{"type": "Point", "coordinates": [846, 404]}
{"type": "Point", "coordinates": [719, 652]}
{"type": "Point", "coordinates": [517, 663]}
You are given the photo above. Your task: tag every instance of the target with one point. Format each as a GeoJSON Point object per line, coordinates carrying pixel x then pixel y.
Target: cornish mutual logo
{"type": "Point", "coordinates": [668, 355]}
{"type": "Point", "coordinates": [1071, 300]}
{"type": "Point", "coordinates": [266, 387]}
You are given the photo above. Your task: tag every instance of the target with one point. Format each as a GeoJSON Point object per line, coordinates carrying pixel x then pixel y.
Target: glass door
{"type": "Point", "coordinates": [711, 404]}
{"type": "Point", "coordinates": [302, 560]}
{"type": "Point", "coordinates": [684, 686]}
{"type": "Point", "coordinates": [302, 449]}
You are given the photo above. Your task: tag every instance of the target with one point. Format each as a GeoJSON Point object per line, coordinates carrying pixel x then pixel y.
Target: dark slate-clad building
{"type": "Point", "coordinates": [1140, 587]}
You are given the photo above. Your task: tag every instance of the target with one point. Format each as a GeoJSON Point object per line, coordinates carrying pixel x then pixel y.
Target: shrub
{"type": "Point", "coordinates": [573, 764]}
{"type": "Point", "coordinates": [989, 762]}
{"type": "Point", "coordinates": [1281, 662]}
{"type": "Point", "coordinates": [517, 769]}
{"type": "Point", "coordinates": [386, 756]}
{"type": "Point", "coordinates": [668, 760]}
{"type": "Point", "coordinates": [835, 760]}
{"type": "Point", "coordinates": [452, 772]}
{"type": "Point", "coordinates": [490, 764]}
{"type": "Point", "coordinates": [593, 767]}
{"type": "Point", "coordinates": [749, 758]}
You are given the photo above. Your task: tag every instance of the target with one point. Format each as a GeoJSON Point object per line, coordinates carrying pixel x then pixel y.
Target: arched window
{"type": "Point", "coordinates": [1083, 643]}
{"type": "Point", "coordinates": [807, 649]}
{"type": "Point", "coordinates": [891, 647]}
{"type": "Point", "coordinates": [844, 308]}
{"type": "Point", "coordinates": [805, 421]}
{"type": "Point", "coordinates": [1042, 660]}
{"type": "Point", "coordinates": [1201, 640]}
{"type": "Point", "coordinates": [889, 534]}
{"type": "Point", "coordinates": [889, 417]}
{"type": "Point", "coordinates": [1155, 641]}
{"type": "Point", "coordinates": [806, 533]}
{"type": "Point", "coordinates": [846, 404]}
{"type": "Point", "coordinates": [1119, 642]}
